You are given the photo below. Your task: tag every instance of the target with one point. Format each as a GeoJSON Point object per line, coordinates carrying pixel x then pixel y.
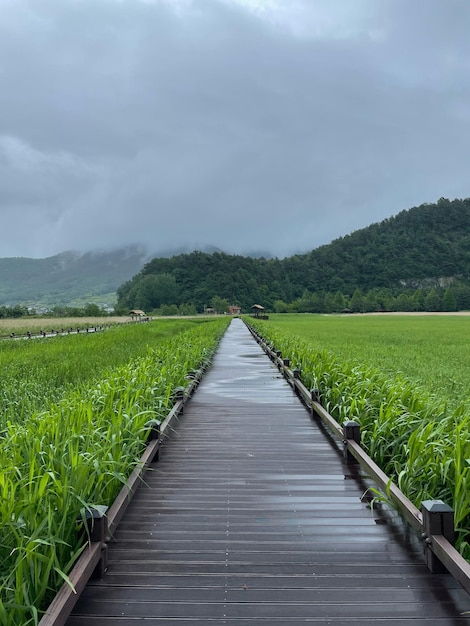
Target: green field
{"type": "Point", "coordinates": [35, 372]}
{"type": "Point", "coordinates": [433, 351]}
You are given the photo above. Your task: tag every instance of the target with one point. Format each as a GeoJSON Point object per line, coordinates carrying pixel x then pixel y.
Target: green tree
{"type": "Point", "coordinates": [357, 302]}
{"type": "Point", "coordinates": [280, 306]}
{"type": "Point", "coordinates": [449, 301]}
{"type": "Point", "coordinates": [418, 300]}
{"type": "Point", "coordinates": [220, 305]}
{"type": "Point", "coordinates": [432, 301]}
{"type": "Point", "coordinates": [370, 302]}
{"type": "Point", "coordinates": [187, 309]}
{"type": "Point", "coordinates": [339, 302]}
{"type": "Point", "coordinates": [93, 310]}
{"type": "Point", "coordinates": [154, 290]}
{"type": "Point", "coordinates": [403, 303]}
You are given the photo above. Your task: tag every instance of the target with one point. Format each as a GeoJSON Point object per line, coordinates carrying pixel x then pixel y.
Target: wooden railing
{"type": "Point", "coordinates": [70, 330]}
{"type": "Point", "coordinates": [101, 521]}
{"type": "Point", "coordinates": [434, 522]}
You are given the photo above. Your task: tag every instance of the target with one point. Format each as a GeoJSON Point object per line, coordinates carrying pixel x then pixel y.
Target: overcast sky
{"type": "Point", "coordinates": [249, 125]}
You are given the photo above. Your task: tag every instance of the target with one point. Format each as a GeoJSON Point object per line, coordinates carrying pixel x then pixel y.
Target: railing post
{"type": "Point", "coordinates": [351, 431]}
{"type": "Point", "coordinates": [179, 394]}
{"type": "Point", "coordinates": [438, 519]}
{"type": "Point", "coordinates": [154, 433]}
{"type": "Point", "coordinates": [315, 396]}
{"type": "Point", "coordinates": [96, 522]}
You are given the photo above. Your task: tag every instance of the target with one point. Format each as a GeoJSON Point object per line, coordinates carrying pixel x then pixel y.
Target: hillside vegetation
{"type": "Point", "coordinates": [68, 278]}
{"type": "Point", "coordinates": [416, 260]}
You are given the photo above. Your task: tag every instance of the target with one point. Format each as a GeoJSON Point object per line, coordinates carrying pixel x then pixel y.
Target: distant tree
{"type": "Point", "coordinates": [357, 302]}
{"type": "Point", "coordinates": [93, 310]}
{"type": "Point", "coordinates": [328, 303]}
{"type": "Point", "coordinates": [462, 295]}
{"type": "Point", "coordinates": [220, 305]}
{"type": "Point", "coordinates": [154, 290]}
{"type": "Point", "coordinates": [449, 301]}
{"type": "Point", "coordinates": [419, 300]}
{"type": "Point", "coordinates": [167, 309]}
{"type": "Point", "coordinates": [280, 306]}
{"type": "Point", "coordinates": [370, 302]}
{"type": "Point", "coordinates": [432, 301]}
{"type": "Point", "coordinates": [187, 309]}
{"type": "Point", "coordinates": [384, 300]}
{"type": "Point", "coordinates": [403, 302]}
{"type": "Point", "coordinates": [339, 302]}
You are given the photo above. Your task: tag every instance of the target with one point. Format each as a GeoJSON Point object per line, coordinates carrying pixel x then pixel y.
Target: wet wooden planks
{"type": "Point", "coordinates": [250, 517]}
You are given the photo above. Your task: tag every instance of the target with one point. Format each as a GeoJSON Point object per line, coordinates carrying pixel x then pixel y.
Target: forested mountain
{"type": "Point", "coordinates": [421, 249]}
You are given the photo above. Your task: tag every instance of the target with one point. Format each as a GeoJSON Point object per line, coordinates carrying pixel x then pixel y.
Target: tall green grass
{"type": "Point", "coordinates": [420, 440]}
{"type": "Point", "coordinates": [432, 351]}
{"type": "Point", "coordinates": [38, 371]}
{"type": "Point", "coordinates": [77, 452]}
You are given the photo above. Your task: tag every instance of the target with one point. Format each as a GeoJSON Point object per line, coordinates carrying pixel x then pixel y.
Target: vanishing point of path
{"type": "Point", "coordinates": [251, 517]}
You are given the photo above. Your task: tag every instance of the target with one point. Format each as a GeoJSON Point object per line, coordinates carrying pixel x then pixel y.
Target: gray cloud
{"type": "Point", "coordinates": [246, 125]}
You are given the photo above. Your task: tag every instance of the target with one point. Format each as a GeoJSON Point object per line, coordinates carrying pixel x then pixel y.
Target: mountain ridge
{"type": "Point", "coordinates": [422, 247]}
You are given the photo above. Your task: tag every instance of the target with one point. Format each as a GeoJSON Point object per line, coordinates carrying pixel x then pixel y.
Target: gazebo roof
{"type": "Point", "coordinates": [258, 306]}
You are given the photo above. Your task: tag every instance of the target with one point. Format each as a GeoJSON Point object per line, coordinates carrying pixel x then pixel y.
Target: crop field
{"type": "Point", "coordinates": [405, 379]}
{"type": "Point", "coordinates": [72, 428]}
{"type": "Point", "coordinates": [433, 351]}
{"type": "Point", "coordinates": [22, 324]}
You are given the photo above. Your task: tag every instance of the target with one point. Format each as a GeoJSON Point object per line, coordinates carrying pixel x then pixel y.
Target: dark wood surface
{"type": "Point", "coordinates": [251, 517]}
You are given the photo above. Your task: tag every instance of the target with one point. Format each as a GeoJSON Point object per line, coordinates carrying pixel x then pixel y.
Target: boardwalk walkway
{"type": "Point", "coordinates": [250, 517]}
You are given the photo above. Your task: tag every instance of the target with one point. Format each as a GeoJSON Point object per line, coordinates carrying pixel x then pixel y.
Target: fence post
{"type": "Point", "coordinates": [351, 431]}
{"type": "Point", "coordinates": [97, 531]}
{"type": "Point", "coordinates": [153, 434]}
{"type": "Point", "coordinates": [315, 396]}
{"type": "Point", "coordinates": [438, 519]}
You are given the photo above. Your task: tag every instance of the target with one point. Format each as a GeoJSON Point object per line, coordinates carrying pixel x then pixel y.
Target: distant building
{"type": "Point", "coordinates": [136, 314]}
{"type": "Point", "coordinates": [234, 310]}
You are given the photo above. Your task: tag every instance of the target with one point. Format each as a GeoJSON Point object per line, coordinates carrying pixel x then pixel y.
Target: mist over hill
{"type": "Point", "coordinates": [68, 278]}
{"type": "Point", "coordinates": [423, 248]}
{"type": "Point", "coordinates": [426, 247]}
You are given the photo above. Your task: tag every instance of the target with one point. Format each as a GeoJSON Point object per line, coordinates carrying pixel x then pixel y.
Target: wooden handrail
{"type": "Point", "coordinates": [61, 606]}
{"type": "Point", "coordinates": [452, 560]}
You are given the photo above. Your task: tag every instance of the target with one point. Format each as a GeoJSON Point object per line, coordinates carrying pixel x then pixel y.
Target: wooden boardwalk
{"type": "Point", "coordinates": [251, 517]}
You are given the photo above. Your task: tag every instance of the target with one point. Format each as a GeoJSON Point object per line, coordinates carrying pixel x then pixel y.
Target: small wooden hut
{"type": "Point", "coordinates": [258, 312]}
{"type": "Point", "coordinates": [137, 314]}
